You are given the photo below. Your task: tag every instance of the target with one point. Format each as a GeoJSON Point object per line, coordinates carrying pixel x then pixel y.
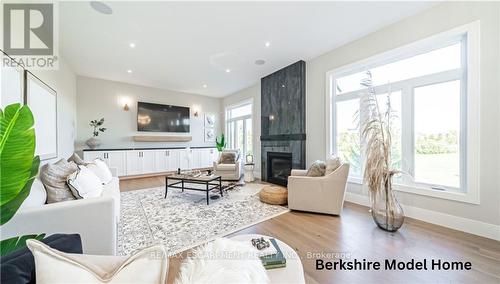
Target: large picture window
{"type": "Point", "coordinates": [433, 93]}
{"type": "Point", "coordinates": [239, 127]}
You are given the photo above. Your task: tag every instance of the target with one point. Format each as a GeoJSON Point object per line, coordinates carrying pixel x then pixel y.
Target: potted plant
{"type": "Point", "coordinates": [18, 165]}
{"type": "Point", "coordinates": [220, 144]}
{"type": "Point", "coordinates": [94, 142]}
{"type": "Point", "coordinates": [378, 173]}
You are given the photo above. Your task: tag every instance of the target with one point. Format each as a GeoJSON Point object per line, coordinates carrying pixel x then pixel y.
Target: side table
{"type": "Point", "coordinates": [249, 176]}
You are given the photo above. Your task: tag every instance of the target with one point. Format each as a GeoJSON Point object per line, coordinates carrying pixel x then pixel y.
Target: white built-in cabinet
{"type": "Point", "coordinates": [139, 162]}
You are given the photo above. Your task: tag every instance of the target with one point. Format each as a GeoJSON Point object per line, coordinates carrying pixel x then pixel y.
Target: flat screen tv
{"type": "Point", "coordinates": [162, 118]}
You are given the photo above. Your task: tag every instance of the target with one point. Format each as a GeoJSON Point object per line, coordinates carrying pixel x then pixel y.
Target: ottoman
{"type": "Point", "coordinates": [275, 195]}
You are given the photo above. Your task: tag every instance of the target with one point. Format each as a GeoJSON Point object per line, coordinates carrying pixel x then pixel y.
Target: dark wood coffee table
{"type": "Point", "coordinates": [211, 182]}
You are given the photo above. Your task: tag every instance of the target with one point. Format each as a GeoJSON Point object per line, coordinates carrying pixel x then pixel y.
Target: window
{"type": "Point", "coordinates": [432, 88]}
{"type": "Point", "coordinates": [239, 127]}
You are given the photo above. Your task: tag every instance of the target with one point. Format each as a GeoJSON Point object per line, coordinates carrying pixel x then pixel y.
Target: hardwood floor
{"type": "Point", "coordinates": [356, 236]}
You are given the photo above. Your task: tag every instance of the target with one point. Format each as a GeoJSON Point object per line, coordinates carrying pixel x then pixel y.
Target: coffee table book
{"type": "Point", "coordinates": [274, 260]}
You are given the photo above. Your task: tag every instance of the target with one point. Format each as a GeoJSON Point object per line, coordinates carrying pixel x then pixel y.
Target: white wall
{"type": "Point", "coordinates": [102, 98]}
{"type": "Point", "coordinates": [64, 82]}
{"type": "Point", "coordinates": [435, 20]}
{"type": "Point", "coordinates": [253, 93]}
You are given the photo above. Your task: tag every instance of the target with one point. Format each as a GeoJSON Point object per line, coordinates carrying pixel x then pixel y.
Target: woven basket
{"type": "Point", "coordinates": [275, 195]}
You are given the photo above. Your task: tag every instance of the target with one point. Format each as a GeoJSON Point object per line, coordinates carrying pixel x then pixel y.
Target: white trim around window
{"type": "Point", "coordinates": [470, 103]}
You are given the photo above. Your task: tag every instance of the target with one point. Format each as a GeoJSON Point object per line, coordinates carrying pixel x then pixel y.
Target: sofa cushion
{"type": "Point", "coordinates": [37, 196]}
{"type": "Point", "coordinates": [53, 177]}
{"type": "Point", "coordinates": [84, 183]}
{"type": "Point", "coordinates": [332, 164]}
{"type": "Point", "coordinates": [19, 266]}
{"type": "Point", "coordinates": [101, 170]}
{"type": "Point", "coordinates": [226, 167]}
{"type": "Point", "coordinates": [317, 169]}
{"type": "Point", "coordinates": [53, 266]}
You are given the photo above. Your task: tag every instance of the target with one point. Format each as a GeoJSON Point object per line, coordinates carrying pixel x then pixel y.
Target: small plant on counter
{"type": "Point", "coordinates": [97, 126]}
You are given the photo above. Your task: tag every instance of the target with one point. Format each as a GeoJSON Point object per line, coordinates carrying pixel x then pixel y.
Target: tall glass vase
{"type": "Point", "coordinates": [386, 210]}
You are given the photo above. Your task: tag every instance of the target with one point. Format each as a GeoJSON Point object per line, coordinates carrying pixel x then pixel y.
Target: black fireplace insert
{"type": "Point", "coordinates": [279, 167]}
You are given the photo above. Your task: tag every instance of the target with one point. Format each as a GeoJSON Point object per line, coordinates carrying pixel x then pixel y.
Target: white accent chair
{"type": "Point", "coordinates": [95, 219]}
{"type": "Point", "coordinates": [229, 171]}
{"type": "Point", "coordinates": [323, 194]}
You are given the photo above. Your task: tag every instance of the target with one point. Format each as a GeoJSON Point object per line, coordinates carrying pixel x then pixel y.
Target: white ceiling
{"type": "Point", "coordinates": [183, 45]}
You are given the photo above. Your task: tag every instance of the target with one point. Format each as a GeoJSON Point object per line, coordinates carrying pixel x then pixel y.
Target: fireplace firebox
{"type": "Point", "coordinates": [279, 167]}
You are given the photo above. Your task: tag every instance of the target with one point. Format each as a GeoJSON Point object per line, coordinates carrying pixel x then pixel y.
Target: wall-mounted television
{"type": "Point", "coordinates": [162, 118]}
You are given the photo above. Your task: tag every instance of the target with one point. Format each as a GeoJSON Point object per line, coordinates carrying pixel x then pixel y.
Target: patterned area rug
{"type": "Point", "coordinates": [183, 220]}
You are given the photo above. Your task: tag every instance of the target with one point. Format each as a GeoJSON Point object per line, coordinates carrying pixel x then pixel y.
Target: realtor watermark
{"type": "Point", "coordinates": [30, 35]}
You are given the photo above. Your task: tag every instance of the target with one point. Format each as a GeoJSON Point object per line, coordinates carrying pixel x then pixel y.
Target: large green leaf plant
{"type": "Point", "coordinates": [18, 167]}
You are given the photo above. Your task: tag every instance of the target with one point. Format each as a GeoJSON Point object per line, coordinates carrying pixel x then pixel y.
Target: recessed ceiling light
{"type": "Point", "coordinates": [267, 44]}
{"type": "Point", "coordinates": [132, 45]}
{"type": "Point", "coordinates": [204, 85]}
{"type": "Point", "coordinates": [129, 71]}
{"type": "Point", "coordinates": [260, 62]}
{"type": "Point", "coordinates": [101, 7]}
{"type": "Point", "coordinates": [228, 70]}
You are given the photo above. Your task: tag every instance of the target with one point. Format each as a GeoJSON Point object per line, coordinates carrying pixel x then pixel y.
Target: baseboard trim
{"type": "Point", "coordinates": [470, 226]}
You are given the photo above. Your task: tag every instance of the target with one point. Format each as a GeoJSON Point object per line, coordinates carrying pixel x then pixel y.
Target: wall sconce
{"type": "Point", "coordinates": [124, 102]}
{"type": "Point", "coordinates": [271, 117]}
{"type": "Point", "coordinates": [196, 110]}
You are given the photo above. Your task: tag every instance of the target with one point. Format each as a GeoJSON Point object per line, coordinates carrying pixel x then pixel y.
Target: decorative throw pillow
{"type": "Point", "coordinates": [37, 196]}
{"type": "Point", "coordinates": [76, 159]}
{"type": "Point", "coordinates": [332, 164]}
{"type": "Point", "coordinates": [148, 266]}
{"type": "Point", "coordinates": [54, 177]}
{"type": "Point", "coordinates": [84, 183]}
{"type": "Point", "coordinates": [228, 157]}
{"type": "Point", "coordinates": [317, 169]}
{"type": "Point", "coordinates": [101, 170]}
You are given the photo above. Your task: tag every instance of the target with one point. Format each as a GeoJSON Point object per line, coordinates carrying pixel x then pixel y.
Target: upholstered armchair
{"type": "Point", "coordinates": [323, 194]}
{"type": "Point", "coordinates": [228, 170]}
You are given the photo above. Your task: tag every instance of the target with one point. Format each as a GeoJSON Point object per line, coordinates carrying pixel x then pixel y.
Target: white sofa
{"type": "Point", "coordinates": [95, 219]}
{"type": "Point", "coordinates": [318, 194]}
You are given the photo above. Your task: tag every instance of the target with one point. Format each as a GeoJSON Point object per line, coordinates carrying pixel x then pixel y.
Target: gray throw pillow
{"type": "Point", "coordinates": [317, 169]}
{"type": "Point", "coordinates": [54, 177]}
{"type": "Point", "coordinates": [76, 159]}
{"type": "Point", "coordinates": [228, 157]}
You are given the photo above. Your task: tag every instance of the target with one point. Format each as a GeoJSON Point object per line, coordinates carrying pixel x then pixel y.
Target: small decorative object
{"type": "Point", "coordinates": [93, 142]}
{"type": "Point", "coordinates": [178, 171]}
{"type": "Point", "coordinates": [260, 244]}
{"type": "Point", "coordinates": [220, 144]}
{"type": "Point", "coordinates": [249, 159]}
{"type": "Point", "coordinates": [209, 120]}
{"type": "Point", "coordinates": [209, 135]}
{"type": "Point", "coordinates": [209, 172]}
{"type": "Point", "coordinates": [376, 131]}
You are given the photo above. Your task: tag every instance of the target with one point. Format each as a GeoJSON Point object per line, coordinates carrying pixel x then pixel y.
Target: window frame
{"type": "Point", "coordinates": [243, 118]}
{"type": "Point", "coordinates": [469, 101]}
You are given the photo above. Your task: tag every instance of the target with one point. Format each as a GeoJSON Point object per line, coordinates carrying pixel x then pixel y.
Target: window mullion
{"type": "Point", "coordinates": [407, 133]}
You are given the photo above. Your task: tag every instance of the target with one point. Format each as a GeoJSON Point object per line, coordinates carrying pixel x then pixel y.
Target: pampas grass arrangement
{"type": "Point", "coordinates": [378, 173]}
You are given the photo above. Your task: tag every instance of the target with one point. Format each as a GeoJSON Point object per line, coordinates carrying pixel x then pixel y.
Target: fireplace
{"type": "Point", "coordinates": [279, 167]}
